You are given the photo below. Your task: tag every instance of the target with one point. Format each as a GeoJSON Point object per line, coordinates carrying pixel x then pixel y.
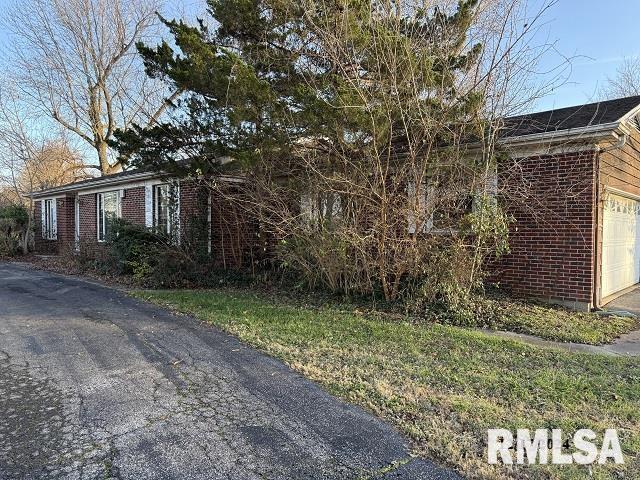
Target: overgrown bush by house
{"type": "Point", "coordinates": [158, 260]}
{"type": "Point", "coordinates": [14, 229]}
{"type": "Point", "coordinates": [362, 150]}
{"type": "Point", "coordinates": [437, 273]}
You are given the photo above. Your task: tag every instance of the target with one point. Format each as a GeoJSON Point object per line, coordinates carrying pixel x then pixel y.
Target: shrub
{"type": "Point", "coordinates": [14, 222]}
{"type": "Point", "coordinates": [129, 247]}
{"type": "Point", "coordinates": [158, 261]}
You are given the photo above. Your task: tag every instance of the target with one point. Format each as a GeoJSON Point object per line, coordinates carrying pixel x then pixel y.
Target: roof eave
{"type": "Point", "coordinates": [100, 182]}
{"type": "Point", "coordinates": [592, 132]}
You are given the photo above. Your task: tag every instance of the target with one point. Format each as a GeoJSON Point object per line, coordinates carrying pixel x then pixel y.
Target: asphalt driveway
{"type": "Point", "coordinates": [95, 384]}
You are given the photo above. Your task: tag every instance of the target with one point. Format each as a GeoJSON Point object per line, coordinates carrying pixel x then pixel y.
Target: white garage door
{"type": "Point", "coordinates": [620, 244]}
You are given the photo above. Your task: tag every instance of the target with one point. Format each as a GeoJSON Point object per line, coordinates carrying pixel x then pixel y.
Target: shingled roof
{"type": "Point", "coordinates": [113, 179]}
{"type": "Point", "coordinates": [592, 114]}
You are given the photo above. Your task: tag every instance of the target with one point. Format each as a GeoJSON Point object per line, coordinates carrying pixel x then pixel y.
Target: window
{"type": "Point", "coordinates": [321, 207]}
{"type": "Point", "coordinates": [449, 215]}
{"type": "Point", "coordinates": [108, 212]}
{"type": "Point", "coordinates": [432, 209]}
{"type": "Point", "coordinates": [49, 219]}
{"type": "Point", "coordinates": [165, 209]}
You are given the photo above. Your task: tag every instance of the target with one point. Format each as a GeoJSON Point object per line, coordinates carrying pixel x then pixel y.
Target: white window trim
{"type": "Point", "coordinates": [101, 202]}
{"type": "Point", "coordinates": [49, 232]}
{"type": "Point", "coordinates": [173, 221]}
{"type": "Point", "coordinates": [76, 223]}
{"type": "Point", "coordinates": [490, 189]}
{"type": "Point", "coordinates": [315, 208]}
{"type": "Point", "coordinates": [148, 206]}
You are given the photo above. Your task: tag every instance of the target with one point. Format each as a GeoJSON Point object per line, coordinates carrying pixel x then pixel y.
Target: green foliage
{"type": "Point", "coordinates": [488, 225]}
{"type": "Point", "coordinates": [14, 220]}
{"type": "Point", "coordinates": [130, 249]}
{"type": "Point", "coordinates": [18, 214]}
{"type": "Point", "coordinates": [269, 75]}
{"type": "Point", "coordinates": [445, 290]}
{"type": "Point", "coordinates": [355, 98]}
{"type": "Point", "coordinates": [150, 258]}
{"type": "Point", "coordinates": [554, 323]}
{"type": "Point", "coordinates": [157, 261]}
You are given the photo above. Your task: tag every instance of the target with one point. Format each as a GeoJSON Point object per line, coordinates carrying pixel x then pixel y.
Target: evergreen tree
{"type": "Point", "coordinates": [273, 74]}
{"type": "Point", "coordinates": [351, 119]}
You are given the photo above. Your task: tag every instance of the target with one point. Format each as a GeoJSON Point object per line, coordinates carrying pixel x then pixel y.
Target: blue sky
{"type": "Point", "coordinates": [597, 34]}
{"type": "Point", "coordinates": [600, 33]}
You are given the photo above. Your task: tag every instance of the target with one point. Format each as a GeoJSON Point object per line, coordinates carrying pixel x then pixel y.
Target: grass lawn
{"type": "Point", "coordinates": [442, 386]}
{"type": "Point", "coordinates": [555, 323]}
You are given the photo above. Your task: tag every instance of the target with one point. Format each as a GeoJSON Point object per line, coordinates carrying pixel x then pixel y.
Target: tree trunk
{"type": "Point", "coordinates": [105, 167]}
{"type": "Point", "coordinates": [25, 235]}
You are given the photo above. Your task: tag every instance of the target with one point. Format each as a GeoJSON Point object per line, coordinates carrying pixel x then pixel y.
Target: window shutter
{"type": "Point", "coordinates": [175, 221]}
{"type": "Point", "coordinates": [148, 206]}
{"type": "Point", "coordinates": [43, 219]}
{"type": "Point", "coordinates": [54, 220]}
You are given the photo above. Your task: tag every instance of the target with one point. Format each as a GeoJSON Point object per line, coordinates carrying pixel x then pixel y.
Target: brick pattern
{"type": "Point", "coordinates": [89, 244]}
{"type": "Point", "coordinates": [551, 247]}
{"type": "Point", "coordinates": [65, 216]}
{"type": "Point", "coordinates": [133, 205]}
{"type": "Point", "coordinates": [233, 235]}
{"type": "Point", "coordinates": [193, 201]}
{"type": "Point", "coordinates": [132, 209]}
{"type": "Point", "coordinates": [88, 219]}
{"type": "Point", "coordinates": [66, 222]}
{"type": "Point", "coordinates": [552, 239]}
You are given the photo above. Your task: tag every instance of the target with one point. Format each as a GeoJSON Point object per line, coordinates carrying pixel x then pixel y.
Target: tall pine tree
{"type": "Point", "coordinates": [350, 118]}
{"type": "Point", "coordinates": [354, 75]}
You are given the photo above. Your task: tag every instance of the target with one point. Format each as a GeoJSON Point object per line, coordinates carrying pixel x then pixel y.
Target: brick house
{"type": "Point", "coordinates": [575, 239]}
{"type": "Point", "coordinates": [77, 217]}
{"type": "Point", "coordinates": [579, 168]}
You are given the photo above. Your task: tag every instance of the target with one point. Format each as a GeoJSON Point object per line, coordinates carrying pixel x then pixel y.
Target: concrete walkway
{"type": "Point", "coordinates": [626, 345]}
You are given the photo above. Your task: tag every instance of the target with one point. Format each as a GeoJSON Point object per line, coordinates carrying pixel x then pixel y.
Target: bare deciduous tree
{"type": "Point", "coordinates": [32, 157]}
{"type": "Point", "coordinates": [76, 60]}
{"type": "Point", "coordinates": [626, 82]}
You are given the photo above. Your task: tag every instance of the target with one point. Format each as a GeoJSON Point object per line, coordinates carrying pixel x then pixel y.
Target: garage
{"type": "Point", "coordinates": [620, 244]}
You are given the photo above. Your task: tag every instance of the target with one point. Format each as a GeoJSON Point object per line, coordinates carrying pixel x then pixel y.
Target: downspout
{"type": "Point", "coordinates": [597, 253]}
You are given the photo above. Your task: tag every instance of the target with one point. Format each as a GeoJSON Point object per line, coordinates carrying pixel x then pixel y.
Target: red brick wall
{"type": "Point", "coordinates": [132, 208]}
{"type": "Point", "coordinates": [193, 201]}
{"type": "Point", "coordinates": [88, 217]}
{"type": "Point", "coordinates": [133, 205]}
{"type": "Point", "coordinates": [233, 234]}
{"type": "Point", "coordinates": [89, 244]}
{"type": "Point", "coordinates": [65, 217]}
{"type": "Point", "coordinates": [66, 222]}
{"type": "Point", "coordinates": [552, 199]}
